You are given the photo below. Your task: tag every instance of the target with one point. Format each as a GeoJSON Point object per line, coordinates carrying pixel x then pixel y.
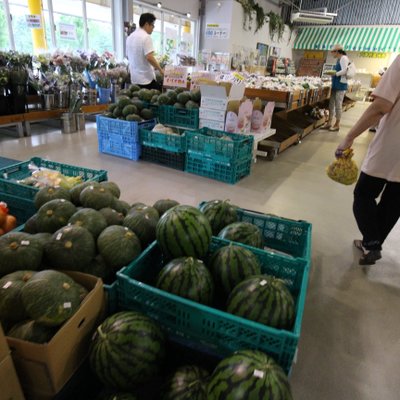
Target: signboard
{"type": "Point", "coordinates": [200, 77]}
{"type": "Point", "coordinates": [217, 31]}
{"type": "Point", "coordinates": [33, 21]}
{"type": "Point", "coordinates": [67, 31]}
{"type": "Point", "coordinates": [316, 55]}
{"type": "Point", "coordinates": [371, 54]}
{"type": "Point", "coordinates": [175, 76]}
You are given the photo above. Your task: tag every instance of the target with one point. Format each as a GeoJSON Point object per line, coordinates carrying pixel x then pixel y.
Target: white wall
{"type": "Point", "coordinates": [180, 6]}
{"type": "Point", "coordinates": [231, 12]}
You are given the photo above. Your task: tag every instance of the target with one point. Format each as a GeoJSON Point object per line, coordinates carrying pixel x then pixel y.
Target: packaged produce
{"type": "Point", "coordinates": [344, 170]}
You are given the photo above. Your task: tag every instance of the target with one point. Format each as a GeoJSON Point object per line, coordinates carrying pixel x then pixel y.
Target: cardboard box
{"type": "Point", "coordinates": [208, 123]}
{"type": "Point", "coordinates": [214, 115]}
{"type": "Point", "coordinates": [12, 390]}
{"type": "Point", "coordinates": [45, 368]}
{"type": "Point", "coordinates": [217, 97]}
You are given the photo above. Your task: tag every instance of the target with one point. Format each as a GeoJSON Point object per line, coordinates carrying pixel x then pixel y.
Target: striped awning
{"type": "Point", "coordinates": [376, 39]}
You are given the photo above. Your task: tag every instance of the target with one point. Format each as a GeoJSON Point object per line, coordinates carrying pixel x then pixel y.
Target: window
{"type": "Point", "coordinates": [186, 44]}
{"type": "Point", "coordinates": [22, 34]}
{"type": "Point", "coordinates": [99, 20]}
{"type": "Point", "coordinates": [4, 41]}
{"type": "Point", "coordinates": [69, 24]}
{"type": "Point", "coordinates": [171, 35]}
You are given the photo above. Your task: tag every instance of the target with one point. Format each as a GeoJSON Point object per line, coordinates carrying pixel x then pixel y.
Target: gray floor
{"type": "Point", "coordinates": [350, 344]}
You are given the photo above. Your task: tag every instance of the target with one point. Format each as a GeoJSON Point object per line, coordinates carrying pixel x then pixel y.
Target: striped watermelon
{"type": "Point", "coordinates": [264, 299]}
{"type": "Point", "coordinates": [219, 213]}
{"type": "Point", "coordinates": [187, 277]}
{"type": "Point", "coordinates": [232, 264]}
{"type": "Point", "coordinates": [187, 383]}
{"type": "Point", "coordinates": [127, 349]}
{"type": "Point", "coordinates": [184, 231]}
{"type": "Point", "coordinates": [243, 232]}
{"type": "Point", "coordinates": [249, 375]}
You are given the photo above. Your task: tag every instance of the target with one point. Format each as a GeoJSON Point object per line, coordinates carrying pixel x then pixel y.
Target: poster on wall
{"type": "Point", "coordinates": [33, 21]}
{"type": "Point", "coordinates": [274, 51]}
{"type": "Point", "coordinates": [67, 31]}
{"type": "Point", "coordinates": [218, 31]}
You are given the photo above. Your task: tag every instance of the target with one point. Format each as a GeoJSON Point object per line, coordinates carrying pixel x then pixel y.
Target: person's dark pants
{"type": "Point", "coordinates": [152, 85]}
{"type": "Point", "coordinates": [376, 220]}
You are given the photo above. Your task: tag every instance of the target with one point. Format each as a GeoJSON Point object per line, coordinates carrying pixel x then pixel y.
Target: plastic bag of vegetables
{"type": "Point", "coordinates": [344, 170]}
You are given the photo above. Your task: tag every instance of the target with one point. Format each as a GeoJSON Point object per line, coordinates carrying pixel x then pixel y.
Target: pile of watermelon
{"type": "Point", "coordinates": [129, 350]}
{"type": "Point", "coordinates": [231, 278]}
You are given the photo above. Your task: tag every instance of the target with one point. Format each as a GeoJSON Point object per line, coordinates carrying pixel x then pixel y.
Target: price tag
{"type": "Point", "coordinates": [25, 242]}
{"type": "Point", "coordinates": [7, 285]}
{"type": "Point", "coordinates": [59, 236]}
{"type": "Point", "coordinates": [263, 282]}
{"type": "Point", "coordinates": [67, 305]}
{"type": "Point", "coordinates": [258, 374]}
{"type": "Point", "coordinates": [175, 76]}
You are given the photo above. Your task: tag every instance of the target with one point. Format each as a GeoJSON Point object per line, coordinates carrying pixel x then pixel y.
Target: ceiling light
{"type": "Point", "coordinates": [159, 4]}
{"type": "Point", "coordinates": [188, 15]}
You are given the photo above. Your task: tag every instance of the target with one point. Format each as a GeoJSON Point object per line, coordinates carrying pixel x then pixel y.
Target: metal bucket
{"type": "Point", "coordinates": [80, 121]}
{"type": "Point", "coordinates": [63, 99]}
{"type": "Point", "coordinates": [48, 101]}
{"type": "Point", "coordinates": [89, 96]}
{"type": "Point", "coordinates": [68, 123]}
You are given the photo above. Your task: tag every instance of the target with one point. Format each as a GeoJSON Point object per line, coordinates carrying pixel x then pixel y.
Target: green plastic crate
{"type": "Point", "coordinates": [165, 141]}
{"type": "Point", "coordinates": [216, 330]}
{"type": "Point", "coordinates": [9, 175]}
{"type": "Point", "coordinates": [228, 172]}
{"type": "Point", "coordinates": [283, 234]}
{"type": "Point", "coordinates": [209, 142]}
{"type": "Point", "coordinates": [179, 117]}
{"type": "Point", "coordinates": [21, 209]}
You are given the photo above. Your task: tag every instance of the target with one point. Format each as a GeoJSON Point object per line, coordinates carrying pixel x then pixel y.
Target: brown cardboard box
{"type": "Point", "coordinates": [12, 390]}
{"type": "Point", "coordinates": [45, 368]}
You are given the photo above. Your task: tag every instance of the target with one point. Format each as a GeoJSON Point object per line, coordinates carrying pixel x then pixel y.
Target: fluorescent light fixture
{"type": "Point", "coordinates": [159, 4]}
{"type": "Point", "coordinates": [313, 17]}
{"type": "Point", "coordinates": [188, 14]}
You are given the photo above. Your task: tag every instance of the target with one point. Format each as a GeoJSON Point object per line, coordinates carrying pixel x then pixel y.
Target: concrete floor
{"type": "Point", "coordinates": [350, 343]}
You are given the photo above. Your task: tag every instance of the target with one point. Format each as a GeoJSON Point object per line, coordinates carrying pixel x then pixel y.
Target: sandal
{"type": "Point", "coordinates": [334, 128]}
{"type": "Point", "coordinates": [326, 127]}
{"type": "Point", "coordinates": [370, 257]}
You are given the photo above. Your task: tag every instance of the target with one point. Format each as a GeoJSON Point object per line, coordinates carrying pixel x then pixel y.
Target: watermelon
{"type": "Point", "coordinates": [118, 246]}
{"type": "Point", "coordinates": [48, 193]}
{"type": "Point", "coordinates": [264, 299]}
{"type": "Point", "coordinates": [127, 349]}
{"type": "Point", "coordinates": [31, 331]}
{"type": "Point", "coordinates": [11, 307]}
{"type": "Point", "coordinates": [189, 278]}
{"type": "Point", "coordinates": [243, 232]}
{"type": "Point", "coordinates": [90, 219]}
{"type": "Point", "coordinates": [220, 214]}
{"type": "Point", "coordinates": [19, 251]}
{"type": "Point", "coordinates": [164, 205]}
{"type": "Point", "coordinates": [71, 247]}
{"type": "Point", "coordinates": [187, 383]}
{"type": "Point", "coordinates": [50, 297]}
{"type": "Point", "coordinates": [143, 226]}
{"type": "Point", "coordinates": [184, 231]}
{"type": "Point", "coordinates": [232, 264]}
{"type": "Point", "coordinates": [54, 215]}
{"type": "Point", "coordinates": [250, 375]}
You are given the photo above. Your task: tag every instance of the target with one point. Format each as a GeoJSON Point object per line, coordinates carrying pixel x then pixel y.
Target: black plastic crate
{"type": "Point", "coordinates": [164, 157]}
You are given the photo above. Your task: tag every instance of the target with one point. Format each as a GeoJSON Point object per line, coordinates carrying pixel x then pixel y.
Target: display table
{"type": "Point", "coordinates": [259, 137]}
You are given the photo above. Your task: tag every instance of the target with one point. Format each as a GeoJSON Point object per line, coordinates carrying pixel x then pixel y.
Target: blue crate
{"type": "Point", "coordinates": [229, 172]}
{"type": "Point", "coordinates": [121, 138]}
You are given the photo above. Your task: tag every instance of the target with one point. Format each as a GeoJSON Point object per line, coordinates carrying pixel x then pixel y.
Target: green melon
{"type": "Point", "coordinates": [19, 251]}
{"type": "Point", "coordinates": [121, 206]}
{"type": "Point", "coordinates": [138, 104]}
{"type": "Point", "coordinates": [71, 248]}
{"type": "Point", "coordinates": [127, 349]}
{"type": "Point", "coordinates": [138, 203]}
{"type": "Point", "coordinates": [195, 96]}
{"type": "Point", "coordinates": [50, 193]}
{"type": "Point", "coordinates": [96, 197]}
{"type": "Point", "coordinates": [191, 105]}
{"type": "Point", "coordinates": [184, 231]}
{"type": "Point", "coordinates": [112, 107]}
{"type": "Point", "coordinates": [146, 114]}
{"type": "Point", "coordinates": [145, 95]}
{"type": "Point", "coordinates": [76, 191]}
{"type": "Point", "coordinates": [232, 264]}
{"type": "Point", "coordinates": [54, 215]}
{"type": "Point", "coordinates": [154, 99]}
{"type": "Point", "coordinates": [179, 105]}
{"type": "Point", "coordinates": [90, 219]}
{"type": "Point", "coordinates": [146, 210]}
{"type": "Point", "coordinates": [30, 225]}
{"type": "Point", "coordinates": [112, 216]}
{"type": "Point", "coordinates": [123, 101]}
{"type": "Point", "coordinates": [220, 214]}
{"type": "Point", "coordinates": [134, 118]}
{"type": "Point", "coordinates": [11, 307]}
{"type": "Point", "coordinates": [189, 278]}
{"type": "Point", "coordinates": [129, 109]}
{"type": "Point", "coordinates": [134, 88]}
{"type": "Point", "coordinates": [50, 297]}
{"type": "Point", "coordinates": [184, 97]}
{"type": "Point", "coordinates": [163, 99]}
{"type": "Point", "coordinates": [117, 113]}
{"type": "Point", "coordinates": [180, 90]}
{"type": "Point", "coordinates": [243, 232]}
{"type": "Point", "coordinates": [31, 331]}
{"type": "Point", "coordinates": [124, 93]}
{"type": "Point", "coordinates": [108, 115]}
{"type": "Point", "coordinates": [43, 238]}
{"type": "Point", "coordinates": [164, 205]}
{"type": "Point", "coordinates": [173, 97]}
{"type": "Point", "coordinates": [118, 246]}
{"type": "Point", "coordinates": [264, 299]}
{"type": "Point", "coordinates": [250, 375]}
{"type": "Point", "coordinates": [99, 268]}
{"type": "Point", "coordinates": [188, 382]}
{"type": "Point", "coordinates": [112, 187]}
{"type": "Point", "coordinates": [143, 226]}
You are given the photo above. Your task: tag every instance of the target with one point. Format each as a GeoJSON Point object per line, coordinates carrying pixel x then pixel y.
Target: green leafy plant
{"type": "Point", "coordinates": [276, 25]}
{"type": "Point", "coordinates": [248, 9]}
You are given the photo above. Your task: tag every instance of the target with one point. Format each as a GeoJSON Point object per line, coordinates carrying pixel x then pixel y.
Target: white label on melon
{"type": "Point", "coordinates": [59, 236]}
{"type": "Point", "coordinates": [263, 282]}
{"type": "Point", "coordinates": [67, 305]}
{"type": "Point", "coordinates": [25, 242]}
{"type": "Point", "coordinates": [258, 374]}
{"type": "Point", "coordinates": [7, 285]}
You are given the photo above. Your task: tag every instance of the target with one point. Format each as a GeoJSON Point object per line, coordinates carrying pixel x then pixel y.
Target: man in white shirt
{"type": "Point", "coordinates": [140, 52]}
{"type": "Point", "coordinates": [380, 171]}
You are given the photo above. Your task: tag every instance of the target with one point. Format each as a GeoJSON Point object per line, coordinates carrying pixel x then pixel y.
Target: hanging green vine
{"type": "Point", "coordinates": [276, 26]}
{"type": "Point", "coordinates": [260, 16]}
{"type": "Point", "coordinates": [248, 9]}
